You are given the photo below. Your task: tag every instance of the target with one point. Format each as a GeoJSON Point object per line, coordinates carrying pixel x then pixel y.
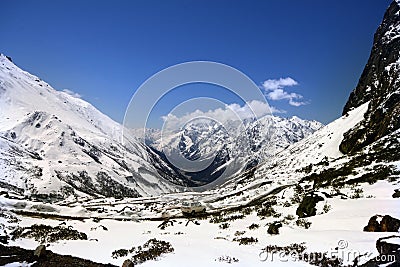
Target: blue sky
{"type": "Point", "coordinates": [104, 50]}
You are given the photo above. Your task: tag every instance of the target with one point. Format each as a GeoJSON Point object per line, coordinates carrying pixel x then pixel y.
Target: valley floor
{"type": "Point", "coordinates": [199, 242]}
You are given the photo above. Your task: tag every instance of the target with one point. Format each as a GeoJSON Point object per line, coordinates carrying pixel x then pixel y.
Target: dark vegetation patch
{"type": "Point", "coordinates": [10, 188]}
{"type": "Point", "coordinates": [10, 217]}
{"type": "Point", "coordinates": [104, 185]}
{"type": "Point", "coordinates": [47, 234]}
{"type": "Point", "coordinates": [166, 223]}
{"type": "Point", "coordinates": [380, 172]}
{"type": "Point", "coordinates": [224, 226]}
{"type": "Point", "coordinates": [151, 250]}
{"type": "Point", "coordinates": [298, 248]}
{"type": "Point", "coordinates": [266, 209]}
{"type": "Point", "coordinates": [299, 192]}
{"type": "Point", "coordinates": [94, 153]}
{"type": "Point", "coordinates": [338, 177]}
{"type": "Point", "coordinates": [245, 240]}
{"type": "Point", "coordinates": [303, 223]}
{"type": "Point", "coordinates": [111, 188]}
{"type": "Point", "coordinates": [221, 218]}
{"type": "Point", "coordinates": [239, 233]}
{"type": "Point", "coordinates": [383, 151]}
{"type": "Point", "coordinates": [254, 226]}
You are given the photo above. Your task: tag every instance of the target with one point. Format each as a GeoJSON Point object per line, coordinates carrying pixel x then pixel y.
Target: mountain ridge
{"type": "Point", "coordinates": [380, 85]}
{"type": "Point", "coordinates": [75, 143]}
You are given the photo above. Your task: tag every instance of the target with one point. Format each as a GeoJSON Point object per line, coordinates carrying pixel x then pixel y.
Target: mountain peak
{"type": "Point", "coordinates": [5, 57]}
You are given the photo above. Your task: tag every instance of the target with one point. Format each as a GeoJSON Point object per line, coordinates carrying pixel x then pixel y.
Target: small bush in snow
{"type": "Point", "coordinates": [287, 204]}
{"type": "Point", "coordinates": [326, 207]}
{"type": "Point", "coordinates": [298, 248]}
{"type": "Point", "coordinates": [254, 226]}
{"type": "Point", "coordinates": [150, 250]}
{"type": "Point", "coordinates": [288, 218]}
{"type": "Point", "coordinates": [239, 233]}
{"type": "Point", "coordinates": [227, 259]}
{"type": "Point", "coordinates": [119, 253]}
{"type": "Point", "coordinates": [247, 211]}
{"type": "Point", "coordinates": [221, 218]}
{"type": "Point", "coordinates": [357, 193]}
{"type": "Point", "coordinates": [224, 226]}
{"type": "Point", "coordinates": [245, 240]}
{"type": "Point", "coordinates": [303, 223]}
{"type": "Point", "coordinates": [266, 209]}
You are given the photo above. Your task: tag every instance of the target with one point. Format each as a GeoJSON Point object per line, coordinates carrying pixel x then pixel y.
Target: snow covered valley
{"type": "Point", "coordinates": [73, 193]}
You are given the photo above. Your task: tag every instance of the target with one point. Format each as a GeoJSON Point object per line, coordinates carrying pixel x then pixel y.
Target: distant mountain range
{"type": "Point", "coordinates": [235, 146]}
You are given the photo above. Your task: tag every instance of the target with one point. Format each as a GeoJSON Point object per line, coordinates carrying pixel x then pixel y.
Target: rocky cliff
{"type": "Point", "coordinates": [379, 85]}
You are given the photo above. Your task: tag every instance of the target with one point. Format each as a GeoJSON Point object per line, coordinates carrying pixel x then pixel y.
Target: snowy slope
{"type": "Point", "coordinates": [55, 144]}
{"type": "Point", "coordinates": [283, 168]}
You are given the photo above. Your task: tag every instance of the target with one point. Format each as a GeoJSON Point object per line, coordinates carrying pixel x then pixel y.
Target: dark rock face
{"type": "Point", "coordinates": [273, 228]}
{"type": "Point", "coordinates": [39, 251]}
{"type": "Point", "coordinates": [127, 263]}
{"type": "Point", "coordinates": [379, 84]}
{"type": "Point", "coordinates": [11, 254]}
{"type": "Point", "coordinates": [307, 205]}
{"type": "Point", "coordinates": [386, 224]}
{"type": "Point", "coordinates": [386, 246]}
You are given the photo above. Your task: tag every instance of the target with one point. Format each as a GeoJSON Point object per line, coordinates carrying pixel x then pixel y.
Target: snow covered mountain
{"type": "Point", "coordinates": [243, 146]}
{"type": "Point", "coordinates": [54, 145]}
{"type": "Point", "coordinates": [380, 85]}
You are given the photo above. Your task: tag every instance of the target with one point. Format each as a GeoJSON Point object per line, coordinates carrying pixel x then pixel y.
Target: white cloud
{"type": "Point", "coordinates": [71, 93]}
{"type": "Point", "coordinates": [297, 103]}
{"type": "Point", "coordinates": [273, 84]}
{"type": "Point", "coordinates": [231, 112]}
{"type": "Point", "coordinates": [274, 90]}
{"type": "Point", "coordinates": [275, 110]}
